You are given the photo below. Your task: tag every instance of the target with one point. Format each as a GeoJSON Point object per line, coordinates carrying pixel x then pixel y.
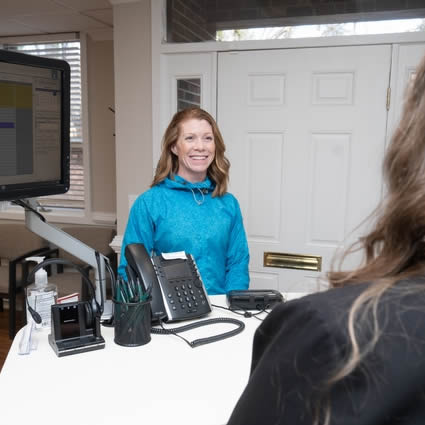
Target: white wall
{"type": "Point", "coordinates": [100, 70]}
{"type": "Point", "coordinates": [133, 102]}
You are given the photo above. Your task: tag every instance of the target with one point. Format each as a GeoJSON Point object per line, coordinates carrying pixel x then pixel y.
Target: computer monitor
{"type": "Point", "coordinates": [34, 126]}
{"type": "Point", "coordinates": [35, 149]}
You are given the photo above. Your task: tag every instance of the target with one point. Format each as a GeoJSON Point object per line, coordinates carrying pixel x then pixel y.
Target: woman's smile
{"type": "Point", "coordinates": [195, 149]}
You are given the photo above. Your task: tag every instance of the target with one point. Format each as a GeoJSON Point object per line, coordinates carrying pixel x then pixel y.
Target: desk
{"type": "Point", "coordinates": [163, 382]}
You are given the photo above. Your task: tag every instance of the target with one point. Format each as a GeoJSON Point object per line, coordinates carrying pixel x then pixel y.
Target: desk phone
{"type": "Point", "coordinates": [175, 284]}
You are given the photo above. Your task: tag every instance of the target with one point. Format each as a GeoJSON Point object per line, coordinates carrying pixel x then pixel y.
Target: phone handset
{"type": "Point", "coordinates": [140, 266]}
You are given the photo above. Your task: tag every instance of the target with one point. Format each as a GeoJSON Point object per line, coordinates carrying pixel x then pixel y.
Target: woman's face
{"type": "Point", "coordinates": [195, 149]}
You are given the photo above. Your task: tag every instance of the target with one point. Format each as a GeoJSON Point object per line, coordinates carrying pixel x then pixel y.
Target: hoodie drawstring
{"type": "Point", "coordinates": [199, 202]}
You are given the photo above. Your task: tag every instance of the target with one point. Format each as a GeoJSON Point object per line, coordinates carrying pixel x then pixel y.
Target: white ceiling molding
{"type": "Point", "coordinates": [30, 18]}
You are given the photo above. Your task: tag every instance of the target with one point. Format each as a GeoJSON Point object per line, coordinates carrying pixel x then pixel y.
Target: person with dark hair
{"type": "Point", "coordinates": [188, 207]}
{"type": "Point", "coordinates": [355, 354]}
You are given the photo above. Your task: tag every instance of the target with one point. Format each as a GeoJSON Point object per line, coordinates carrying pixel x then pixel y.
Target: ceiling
{"type": "Point", "coordinates": [38, 17]}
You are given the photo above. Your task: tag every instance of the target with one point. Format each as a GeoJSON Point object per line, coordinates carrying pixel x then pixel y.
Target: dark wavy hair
{"type": "Point", "coordinates": [168, 162]}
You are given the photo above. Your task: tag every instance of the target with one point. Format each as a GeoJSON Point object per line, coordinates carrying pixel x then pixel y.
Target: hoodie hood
{"type": "Point", "coordinates": [178, 183]}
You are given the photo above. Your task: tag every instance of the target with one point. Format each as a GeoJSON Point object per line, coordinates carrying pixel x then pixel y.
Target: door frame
{"type": "Point", "coordinates": [161, 50]}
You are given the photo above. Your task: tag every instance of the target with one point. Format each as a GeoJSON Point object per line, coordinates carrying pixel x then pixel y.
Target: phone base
{"type": "Point", "coordinates": [76, 345]}
{"type": "Point", "coordinates": [253, 299]}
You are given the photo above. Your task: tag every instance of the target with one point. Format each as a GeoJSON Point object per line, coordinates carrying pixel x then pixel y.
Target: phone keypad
{"type": "Point", "coordinates": [186, 297]}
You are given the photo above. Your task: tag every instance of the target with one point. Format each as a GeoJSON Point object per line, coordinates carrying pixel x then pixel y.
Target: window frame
{"type": "Point", "coordinates": [9, 211]}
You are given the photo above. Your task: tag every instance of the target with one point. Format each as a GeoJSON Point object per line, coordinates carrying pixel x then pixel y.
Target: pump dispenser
{"type": "Point", "coordinates": [41, 295]}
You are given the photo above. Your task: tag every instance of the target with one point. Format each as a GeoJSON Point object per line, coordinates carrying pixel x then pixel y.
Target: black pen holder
{"type": "Point", "coordinates": [132, 323]}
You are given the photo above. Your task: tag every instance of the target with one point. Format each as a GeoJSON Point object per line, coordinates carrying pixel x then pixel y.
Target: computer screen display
{"type": "Point", "coordinates": [34, 126]}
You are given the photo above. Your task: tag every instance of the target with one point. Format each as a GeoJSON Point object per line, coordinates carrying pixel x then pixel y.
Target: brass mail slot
{"type": "Point", "coordinates": [292, 261]}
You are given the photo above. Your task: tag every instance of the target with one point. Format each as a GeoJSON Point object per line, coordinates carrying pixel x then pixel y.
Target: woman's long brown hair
{"type": "Point", "coordinates": [395, 248]}
{"type": "Point", "coordinates": [168, 162]}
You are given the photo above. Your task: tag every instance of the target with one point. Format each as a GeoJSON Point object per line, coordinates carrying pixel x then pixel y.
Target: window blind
{"type": "Point", "coordinates": [70, 52]}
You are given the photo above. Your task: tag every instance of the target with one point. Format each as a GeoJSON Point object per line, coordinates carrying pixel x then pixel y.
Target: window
{"type": "Point", "coordinates": [325, 30]}
{"type": "Point", "coordinates": [188, 93]}
{"type": "Point", "coordinates": [70, 52]}
{"type": "Point", "coordinates": [190, 21]}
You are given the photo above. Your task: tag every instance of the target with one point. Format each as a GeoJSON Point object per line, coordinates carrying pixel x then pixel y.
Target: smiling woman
{"type": "Point", "coordinates": [188, 207]}
{"type": "Point", "coordinates": [195, 149]}
{"type": "Point", "coordinates": [169, 161]}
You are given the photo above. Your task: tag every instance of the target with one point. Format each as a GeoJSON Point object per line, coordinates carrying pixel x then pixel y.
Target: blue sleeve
{"type": "Point", "coordinates": [237, 260]}
{"type": "Point", "coordinates": [140, 229]}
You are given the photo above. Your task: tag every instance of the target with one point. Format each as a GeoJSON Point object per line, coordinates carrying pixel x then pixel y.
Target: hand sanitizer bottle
{"type": "Point", "coordinates": [41, 295]}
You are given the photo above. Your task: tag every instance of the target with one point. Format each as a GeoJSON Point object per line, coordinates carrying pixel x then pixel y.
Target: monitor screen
{"type": "Point", "coordinates": [34, 126]}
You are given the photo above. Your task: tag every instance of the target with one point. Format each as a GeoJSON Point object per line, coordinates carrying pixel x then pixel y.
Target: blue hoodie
{"type": "Point", "coordinates": [177, 215]}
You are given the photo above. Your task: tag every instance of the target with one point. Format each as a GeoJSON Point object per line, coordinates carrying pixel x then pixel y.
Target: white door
{"type": "Point", "coordinates": [406, 58]}
{"type": "Point", "coordinates": [305, 134]}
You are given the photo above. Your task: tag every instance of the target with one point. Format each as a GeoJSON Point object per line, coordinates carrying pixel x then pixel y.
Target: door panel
{"type": "Point", "coordinates": [407, 57]}
{"type": "Point", "coordinates": [305, 134]}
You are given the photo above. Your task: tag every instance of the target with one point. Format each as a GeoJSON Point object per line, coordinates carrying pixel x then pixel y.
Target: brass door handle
{"type": "Point", "coordinates": [292, 261]}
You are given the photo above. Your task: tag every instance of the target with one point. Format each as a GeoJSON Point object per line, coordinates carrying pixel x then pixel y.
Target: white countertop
{"type": "Point", "coordinates": [162, 382]}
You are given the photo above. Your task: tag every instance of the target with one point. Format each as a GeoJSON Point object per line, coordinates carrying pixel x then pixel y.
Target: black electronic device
{"type": "Point", "coordinates": [175, 285]}
{"type": "Point", "coordinates": [253, 299]}
{"type": "Point", "coordinates": [74, 329]}
{"type": "Point", "coordinates": [75, 326]}
{"type": "Point", "coordinates": [34, 126]}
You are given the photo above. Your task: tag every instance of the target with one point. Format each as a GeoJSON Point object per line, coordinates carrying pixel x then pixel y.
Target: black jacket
{"type": "Point", "coordinates": [299, 345]}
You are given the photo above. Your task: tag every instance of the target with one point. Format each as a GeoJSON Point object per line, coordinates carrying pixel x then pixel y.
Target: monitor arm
{"type": "Point", "coordinates": [74, 247]}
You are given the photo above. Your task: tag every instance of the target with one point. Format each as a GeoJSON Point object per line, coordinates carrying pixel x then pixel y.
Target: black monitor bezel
{"type": "Point", "coordinates": [33, 189]}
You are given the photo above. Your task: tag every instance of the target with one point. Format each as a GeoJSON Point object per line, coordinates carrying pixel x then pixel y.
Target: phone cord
{"type": "Point", "coordinates": [202, 341]}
